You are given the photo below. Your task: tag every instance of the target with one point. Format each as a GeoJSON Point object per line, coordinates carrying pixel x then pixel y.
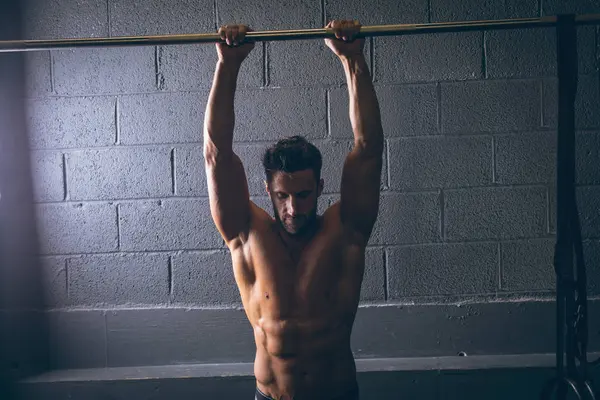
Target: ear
{"type": "Point", "coordinates": [320, 188]}
{"type": "Point", "coordinates": [267, 187]}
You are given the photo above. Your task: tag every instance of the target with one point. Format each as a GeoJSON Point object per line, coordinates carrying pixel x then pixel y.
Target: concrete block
{"type": "Point", "coordinates": [490, 106]}
{"type": "Point", "coordinates": [288, 67]}
{"type": "Point", "coordinates": [449, 56]}
{"type": "Point", "coordinates": [38, 79]}
{"type": "Point", "coordinates": [591, 256]}
{"type": "Point", "coordinates": [161, 118]}
{"type": "Point", "coordinates": [64, 19]}
{"type": "Point", "coordinates": [61, 122]}
{"type": "Point", "coordinates": [87, 71]}
{"type": "Point", "coordinates": [442, 269]}
{"type": "Point", "coordinates": [521, 53]}
{"type": "Point", "coordinates": [588, 203]}
{"type": "Point", "coordinates": [407, 219]}
{"type": "Point", "coordinates": [118, 279]}
{"type": "Point", "coordinates": [551, 208]}
{"type": "Point", "coordinates": [77, 228]}
{"type": "Point", "coordinates": [205, 279]}
{"type": "Point", "coordinates": [54, 281]}
{"type": "Point", "coordinates": [270, 114]}
{"type": "Point", "coordinates": [192, 67]}
{"type": "Point", "coordinates": [528, 265]}
{"type": "Point", "coordinates": [119, 173]}
{"type": "Point", "coordinates": [440, 162]}
{"type": "Point", "coordinates": [47, 176]}
{"type": "Point", "coordinates": [155, 17]}
{"type": "Point", "coordinates": [190, 174]}
{"type": "Point", "coordinates": [405, 12]}
{"type": "Point", "coordinates": [586, 158]}
{"type": "Point", "coordinates": [555, 7]}
{"type": "Point", "coordinates": [168, 225]}
{"type": "Point", "coordinates": [588, 52]}
{"type": "Point", "coordinates": [134, 337]}
{"type": "Point", "coordinates": [526, 158]}
{"type": "Point", "coordinates": [374, 280]}
{"type": "Point", "coordinates": [77, 339]}
{"type": "Point", "coordinates": [251, 157]}
{"type": "Point", "coordinates": [586, 102]}
{"type": "Point", "coordinates": [260, 15]}
{"type": "Point", "coordinates": [494, 213]}
{"type": "Point", "coordinates": [407, 110]}
{"type": "Point", "coordinates": [452, 11]}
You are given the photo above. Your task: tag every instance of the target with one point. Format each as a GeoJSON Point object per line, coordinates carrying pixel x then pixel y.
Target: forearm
{"type": "Point", "coordinates": [219, 119]}
{"type": "Point", "coordinates": [363, 105]}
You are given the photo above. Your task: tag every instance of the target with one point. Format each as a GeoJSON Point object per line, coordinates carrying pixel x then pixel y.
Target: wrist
{"type": "Point", "coordinates": [229, 66]}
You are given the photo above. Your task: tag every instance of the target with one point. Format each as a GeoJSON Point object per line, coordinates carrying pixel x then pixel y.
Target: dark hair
{"type": "Point", "coordinates": [292, 154]}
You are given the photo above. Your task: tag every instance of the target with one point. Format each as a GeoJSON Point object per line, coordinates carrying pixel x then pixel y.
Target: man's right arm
{"type": "Point", "coordinates": [227, 185]}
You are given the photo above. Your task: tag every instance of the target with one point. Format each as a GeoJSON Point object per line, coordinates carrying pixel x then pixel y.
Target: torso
{"type": "Point", "coordinates": [301, 302]}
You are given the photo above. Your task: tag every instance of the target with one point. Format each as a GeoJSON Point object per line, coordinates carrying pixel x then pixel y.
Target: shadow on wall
{"type": "Point", "coordinates": [23, 338]}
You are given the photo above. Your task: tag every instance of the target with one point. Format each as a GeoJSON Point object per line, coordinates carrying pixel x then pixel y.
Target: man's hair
{"type": "Point", "coordinates": [292, 154]}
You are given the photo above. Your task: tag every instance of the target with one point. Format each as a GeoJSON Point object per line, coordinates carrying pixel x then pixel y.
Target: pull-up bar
{"type": "Point", "coordinates": [321, 33]}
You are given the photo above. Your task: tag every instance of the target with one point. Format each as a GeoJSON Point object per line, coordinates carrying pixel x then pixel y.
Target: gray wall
{"type": "Point", "coordinates": [135, 272]}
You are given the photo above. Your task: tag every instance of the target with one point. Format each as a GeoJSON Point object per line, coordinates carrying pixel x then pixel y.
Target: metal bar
{"type": "Point", "coordinates": [320, 33]}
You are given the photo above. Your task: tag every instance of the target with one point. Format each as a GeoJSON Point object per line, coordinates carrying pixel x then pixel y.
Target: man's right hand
{"type": "Point", "coordinates": [235, 49]}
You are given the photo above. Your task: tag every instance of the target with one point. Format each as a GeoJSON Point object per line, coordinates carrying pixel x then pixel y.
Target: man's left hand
{"type": "Point", "coordinates": [346, 44]}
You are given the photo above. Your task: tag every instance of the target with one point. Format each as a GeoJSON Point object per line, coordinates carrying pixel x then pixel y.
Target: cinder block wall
{"type": "Point", "coordinates": [136, 274]}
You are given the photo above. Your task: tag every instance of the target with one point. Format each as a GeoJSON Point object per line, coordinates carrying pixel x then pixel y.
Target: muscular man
{"type": "Point", "coordinates": [299, 274]}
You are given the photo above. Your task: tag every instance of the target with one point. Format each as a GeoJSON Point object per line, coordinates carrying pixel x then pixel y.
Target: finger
{"type": "Point", "coordinates": [242, 33]}
{"type": "Point", "coordinates": [223, 33]}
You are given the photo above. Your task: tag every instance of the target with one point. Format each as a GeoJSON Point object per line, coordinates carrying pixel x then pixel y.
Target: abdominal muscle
{"type": "Point", "coordinates": [303, 358]}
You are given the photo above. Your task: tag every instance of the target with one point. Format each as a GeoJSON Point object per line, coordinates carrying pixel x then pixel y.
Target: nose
{"type": "Point", "coordinates": [292, 206]}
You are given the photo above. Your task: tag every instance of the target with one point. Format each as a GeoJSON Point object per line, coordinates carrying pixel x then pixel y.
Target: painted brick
{"type": "Point", "coordinates": [586, 102]}
{"type": "Point", "coordinates": [168, 225]}
{"type": "Point", "coordinates": [88, 71]}
{"type": "Point", "coordinates": [261, 15]}
{"type": "Point", "coordinates": [77, 339]}
{"type": "Point", "coordinates": [404, 12]}
{"type": "Point", "coordinates": [521, 53]}
{"type": "Point", "coordinates": [205, 279]}
{"type": "Point", "coordinates": [407, 219]}
{"type": "Point", "coordinates": [77, 228]}
{"type": "Point", "coordinates": [591, 256]}
{"type": "Point", "coordinates": [118, 279]}
{"type": "Point", "coordinates": [156, 17]}
{"type": "Point", "coordinates": [528, 265]}
{"type": "Point", "coordinates": [490, 106]}
{"type": "Point", "coordinates": [408, 110]}
{"type": "Point", "coordinates": [551, 208]}
{"type": "Point", "coordinates": [134, 337]}
{"type": "Point", "coordinates": [587, 51]}
{"type": "Point", "coordinates": [373, 284]}
{"type": "Point", "coordinates": [288, 66]}
{"type": "Point", "coordinates": [555, 7]}
{"type": "Point", "coordinates": [528, 158]}
{"type": "Point", "coordinates": [71, 122]}
{"type": "Point", "coordinates": [588, 203]}
{"type": "Point", "coordinates": [448, 10]}
{"type": "Point", "coordinates": [440, 162]}
{"type": "Point", "coordinates": [190, 175]}
{"type": "Point", "coordinates": [38, 81]}
{"type": "Point", "coordinates": [251, 157]}
{"type": "Point", "coordinates": [63, 19]}
{"type": "Point", "coordinates": [120, 173]}
{"type": "Point", "coordinates": [449, 56]}
{"type": "Point", "coordinates": [586, 157]}
{"type": "Point", "coordinates": [47, 176]}
{"type": "Point", "coordinates": [162, 118]}
{"type": "Point", "coordinates": [495, 213]}
{"type": "Point", "coordinates": [54, 281]}
{"type": "Point", "coordinates": [189, 67]}
{"type": "Point", "coordinates": [271, 114]}
{"type": "Point", "coordinates": [442, 269]}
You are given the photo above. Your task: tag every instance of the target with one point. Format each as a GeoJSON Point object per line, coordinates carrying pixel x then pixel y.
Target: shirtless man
{"type": "Point", "coordinates": [300, 274]}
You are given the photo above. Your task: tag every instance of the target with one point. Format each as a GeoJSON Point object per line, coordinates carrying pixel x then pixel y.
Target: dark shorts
{"type": "Point", "coordinates": [351, 394]}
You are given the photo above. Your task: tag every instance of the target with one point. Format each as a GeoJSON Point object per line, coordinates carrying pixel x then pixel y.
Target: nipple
{"type": "Point", "coordinates": [266, 295]}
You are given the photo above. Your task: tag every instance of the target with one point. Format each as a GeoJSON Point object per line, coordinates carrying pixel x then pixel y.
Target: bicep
{"type": "Point", "coordinates": [228, 194]}
{"type": "Point", "coordinates": [360, 191]}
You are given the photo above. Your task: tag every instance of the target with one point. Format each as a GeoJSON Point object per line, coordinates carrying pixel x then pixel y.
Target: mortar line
{"type": "Point", "coordinates": [429, 11]}
{"type": "Point", "coordinates": [105, 338]}
{"type": "Point", "coordinates": [64, 171]}
{"type": "Point", "coordinates": [52, 83]}
{"type": "Point", "coordinates": [542, 106]}
{"type": "Point", "coordinates": [438, 94]}
{"type": "Point", "coordinates": [385, 275]}
{"type": "Point", "coordinates": [372, 58]}
{"type": "Point", "coordinates": [173, 175]}
{"type": "Point", "coordinates": [216, 16]}
{"type": "Point", "coordinates": [540, 8]}
{"type": "Point", "coordinates": [484, 71]}
{"type": "Point", "coordinates": [67, 277]}
{"type": "Point", "coordinates": [170, 277]}
{"type": "Point", "coordinates": [494, 160]}
{"type": "Point", "coordinates": [323, 13]}
{"type": "Point", "coordinates": [548, 210]}
{"type": "Point", "coordinates": [118, 229]}
{"type": "Point", "coordinates": [442, 216]}
{"type": "Point", "coordinates": [499, 267]}
{"type": "Point", "coordinates": [265, 65]}
{"type": "Point", "coordinates": [387, 162]}
{"type": "Point", "coordinates": [109, 18]}
{"type": "Point", "coordinates": [328, 113]}
{"type": "Point", "coordinates": [117, 122]}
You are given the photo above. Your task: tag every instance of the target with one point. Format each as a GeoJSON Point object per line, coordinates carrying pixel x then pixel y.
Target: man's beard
{"type": "Point", "coordinates": [297, 227]}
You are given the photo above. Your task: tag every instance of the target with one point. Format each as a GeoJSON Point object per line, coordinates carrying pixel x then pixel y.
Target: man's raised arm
{"type": "Point", "coordinates": [227, 185]}
{"type": "Point", "coordinates": [361, 176]}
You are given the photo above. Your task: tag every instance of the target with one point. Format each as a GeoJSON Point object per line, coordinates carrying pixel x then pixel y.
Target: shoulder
{"type": "Point", "coordinates": [260, 221]}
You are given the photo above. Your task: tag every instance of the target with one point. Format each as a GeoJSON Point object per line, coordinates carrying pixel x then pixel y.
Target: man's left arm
{"type": "Point", "coordinates": [361, 176]}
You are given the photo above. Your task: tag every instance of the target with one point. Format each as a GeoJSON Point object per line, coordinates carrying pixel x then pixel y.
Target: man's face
{"type": "Point", "coordinates": [294, 197]}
